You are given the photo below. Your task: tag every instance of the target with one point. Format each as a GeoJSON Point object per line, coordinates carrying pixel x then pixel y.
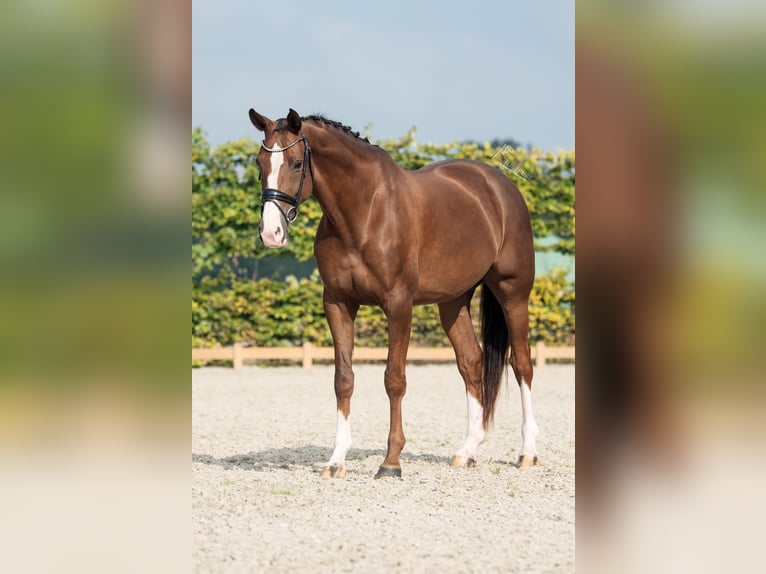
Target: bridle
{"type": "Point", "coordinates": [275, 196]}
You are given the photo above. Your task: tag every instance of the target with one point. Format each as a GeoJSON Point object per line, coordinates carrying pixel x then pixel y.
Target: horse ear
{"type": "Point", "coordinates": [259, 121]}
{"type": "Point", "coordinates": [294, 121]}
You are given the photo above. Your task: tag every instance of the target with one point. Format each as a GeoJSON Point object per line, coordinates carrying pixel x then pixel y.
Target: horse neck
{"type": "Point", "coordinates": [347, 173]}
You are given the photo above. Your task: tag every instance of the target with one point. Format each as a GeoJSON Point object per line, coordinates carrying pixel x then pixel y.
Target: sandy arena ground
{"type": "Point", "coordinates": [261, 436]}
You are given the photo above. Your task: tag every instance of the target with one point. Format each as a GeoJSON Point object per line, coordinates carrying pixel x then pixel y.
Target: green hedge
{"type": "Point", "coordinates": [277, 313]}
{"type": "Point", "coordinates": [231, 302]}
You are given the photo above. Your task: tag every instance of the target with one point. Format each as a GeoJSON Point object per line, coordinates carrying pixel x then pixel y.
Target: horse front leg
{"type": "Point", "coordinates": [340, 317]}
{"type": "Point", "coordinates": [399, 313]}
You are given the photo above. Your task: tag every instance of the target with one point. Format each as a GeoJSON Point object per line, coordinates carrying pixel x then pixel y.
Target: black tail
{"type": "Point", "coordinates": [494, 336]}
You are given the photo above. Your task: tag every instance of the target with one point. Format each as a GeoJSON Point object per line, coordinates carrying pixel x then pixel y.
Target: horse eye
{"type": "Point", "coordinates": [298, 164]}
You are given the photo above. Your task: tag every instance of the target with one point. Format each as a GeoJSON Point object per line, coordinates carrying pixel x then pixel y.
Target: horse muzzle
{"type": "Point", "coordinates": [273, 227]}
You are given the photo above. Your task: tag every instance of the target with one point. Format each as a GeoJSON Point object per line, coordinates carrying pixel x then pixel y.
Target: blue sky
{"type": "Point", "coordinates": [455, 70]}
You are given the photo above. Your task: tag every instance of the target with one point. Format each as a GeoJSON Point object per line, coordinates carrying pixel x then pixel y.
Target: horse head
{"type": "Point", "coordinates": [283, 161]}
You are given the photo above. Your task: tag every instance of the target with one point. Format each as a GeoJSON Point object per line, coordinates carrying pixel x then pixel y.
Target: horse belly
{"type": "Point", "coordinates": [448, 267]}
{"type": "Point", "coordinates": [446, 286]}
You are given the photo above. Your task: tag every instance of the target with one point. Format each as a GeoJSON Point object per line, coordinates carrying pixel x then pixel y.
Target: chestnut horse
{"type": "Point", "coordinates": [395, 239]}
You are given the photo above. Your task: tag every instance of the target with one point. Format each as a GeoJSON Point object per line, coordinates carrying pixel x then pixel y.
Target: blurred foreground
{"type": "Point", "coordinates": [671, 136]}
{"type": "Point", "coordinates": [94, 419]}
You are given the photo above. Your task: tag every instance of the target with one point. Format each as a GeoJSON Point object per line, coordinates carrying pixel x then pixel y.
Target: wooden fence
{"type": "Point", "coordinates": [307, 354]}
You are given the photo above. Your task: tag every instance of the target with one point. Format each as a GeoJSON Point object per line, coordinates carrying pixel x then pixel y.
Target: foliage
{"type": "Point", "coordinates": [282, 313]}
{"type": "Point", "coordinates": [230, 302]}
{"type": "Point", "coordinates": [277, 313]}
{"type": "Point", "coordinates": [226, 211]}
{"type": "Point", "coordinates": [552, 309]}
{"type": "Point", "coordinates": [267, 312]}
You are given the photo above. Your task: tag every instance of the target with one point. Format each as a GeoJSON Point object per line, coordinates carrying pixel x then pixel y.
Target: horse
{"type": "Point", "coordinates": [397, 238]}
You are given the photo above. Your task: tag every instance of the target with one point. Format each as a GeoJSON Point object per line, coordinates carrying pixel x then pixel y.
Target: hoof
{"type": "Point", "coordinates": [389, 471]}
{"type": "Point", "coordinates": [527, 460]}
{"type": "Point", "coordinates": [460, 461]}
{"type": "Point", "coordinates": [334, 471]}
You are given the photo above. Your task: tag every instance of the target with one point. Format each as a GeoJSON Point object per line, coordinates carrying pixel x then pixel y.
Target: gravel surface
{"type": "Point", "coordinates": [261, 436]}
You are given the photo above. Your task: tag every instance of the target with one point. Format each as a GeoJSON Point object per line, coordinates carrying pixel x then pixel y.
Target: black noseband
{"type": "Point", "coordinates": [275, 195]}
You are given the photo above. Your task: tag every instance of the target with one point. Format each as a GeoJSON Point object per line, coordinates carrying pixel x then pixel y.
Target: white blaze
{"type": "Point", "coordinates": [272, 231]}
{"type": "Point", "coordinates": [529, 428]}
{"type": "Point", "coordinates": [342, 441]}
{"type": "Point", "coordinates": [475, 434]}
{"type": "Point", "coordinates": [277, 157]}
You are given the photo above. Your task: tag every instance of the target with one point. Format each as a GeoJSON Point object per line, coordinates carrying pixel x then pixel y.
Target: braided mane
{"type": "Point", "coordinates": [319, 118]}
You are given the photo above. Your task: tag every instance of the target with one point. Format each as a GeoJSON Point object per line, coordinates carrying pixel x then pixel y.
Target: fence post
{"type": "Point", "coordinates": [540, 354]}
{"type": "Point", "coordinates": [237, 361]}
{"type": "Point", "coordinates": [307, 358]}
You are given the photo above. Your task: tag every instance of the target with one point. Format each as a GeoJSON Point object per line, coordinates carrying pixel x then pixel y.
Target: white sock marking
{"type": "Point", "coordinates": [342, 440]}
{"type": "Point", "coordinates": [529, 427]}
{"type": "Point", "coordinates": [475, 433]}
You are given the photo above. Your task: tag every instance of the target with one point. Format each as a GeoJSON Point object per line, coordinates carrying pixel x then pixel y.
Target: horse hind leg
{"type": "Point", "coordinates": [516, 308]}
{"type": "Point", "coordinates": [515, 302]}
{"type": "Point", "coordinates": [456, 320]}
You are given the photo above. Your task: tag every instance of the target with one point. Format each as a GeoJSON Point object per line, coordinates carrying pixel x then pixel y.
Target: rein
{"type": "Point", "coordinates": [274, 195]}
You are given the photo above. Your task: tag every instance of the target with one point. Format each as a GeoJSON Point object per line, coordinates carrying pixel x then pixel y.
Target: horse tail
{"type": "Point", "coordinates": [494, 335]}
